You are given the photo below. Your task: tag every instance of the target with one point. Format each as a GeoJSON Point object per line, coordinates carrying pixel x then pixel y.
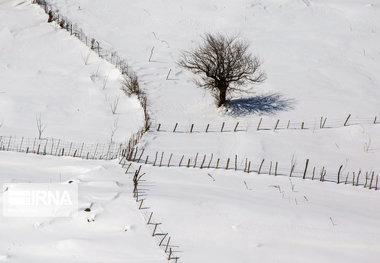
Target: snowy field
{"type": "Point", "coordinates": [46, 72]}
{"type": "Point", "coordinates": [321, 57]}
{"type": "Point", "coordinates": [219, 216]}
{"type": "Point", "coordinates": [113, 231]}
{"type": "Point", "coordinates": [322, 60]}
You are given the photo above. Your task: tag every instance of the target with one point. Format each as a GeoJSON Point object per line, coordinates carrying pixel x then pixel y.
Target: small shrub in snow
{"type": "Point", "coordinates": [131, 85]}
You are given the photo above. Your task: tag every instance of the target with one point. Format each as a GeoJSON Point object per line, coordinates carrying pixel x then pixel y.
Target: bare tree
{"type": "Point", "coordinates": [40, 126]}
{"type": "Point", "coordinates": [224, 65]}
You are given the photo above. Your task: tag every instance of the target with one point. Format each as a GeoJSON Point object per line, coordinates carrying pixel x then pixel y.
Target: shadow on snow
{"type": "Point", "coordinates": [267, 104]}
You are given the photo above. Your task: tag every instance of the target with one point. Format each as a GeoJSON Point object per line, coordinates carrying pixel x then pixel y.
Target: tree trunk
{"type": "Point", "coordinates": [222, 96]}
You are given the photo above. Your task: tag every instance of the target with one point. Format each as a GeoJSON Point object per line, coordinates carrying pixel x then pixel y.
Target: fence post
{"type": "Point", "coordinates": [275, 127]}
{"type": "Point", "coordinates": [275, 169]}
{"type": "Point", "coordinates": [195, 161]}
{"type": "Point", "coordinates": [291, 171]}
{"type": "Point", "coordinates": [340, 169]}
{"type": "Point", "coordinates": [304, 173]}
{"type": "Point", "coordinates": [258, 126]}
{"type": "Point", "coordinates": [170, 158]}
{"type": "Point", "coordinates": [261, 165]}
{"type": "Point", "coordinates": [237, 124]}
{"type": "Point", "coordinates": [345, 123]}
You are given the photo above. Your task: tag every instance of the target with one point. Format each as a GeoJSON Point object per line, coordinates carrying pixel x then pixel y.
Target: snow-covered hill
{"type": "Point", "coordinates": [322, 60]}
{"type": "Point", "coordinates": [47, 73]}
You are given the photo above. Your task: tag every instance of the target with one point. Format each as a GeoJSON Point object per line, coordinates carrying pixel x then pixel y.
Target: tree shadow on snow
{"type": "Point", "coordinates": [267, 104]}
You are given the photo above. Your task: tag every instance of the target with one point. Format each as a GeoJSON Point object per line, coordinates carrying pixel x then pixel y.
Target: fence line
{"type": "Point", "coordinates": [162, 238]}
{"type": "Point", "coordinates": [368, 179]}
{"type": "Point", "coordinates": [109, 55]}
{"type": "Point", "coordinates": [58, 147]}
{"type": "Point", "coordinates": [261, 124]}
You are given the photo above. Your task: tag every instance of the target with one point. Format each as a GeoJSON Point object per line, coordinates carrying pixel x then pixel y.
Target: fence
{"type": "Point", "coordinates": [109, 55]}
{"type": "Point", "coordinates": [58, 147]}
{"type": "Point", "coordinates": [162, 238]}
{"type": "Point", "coordinates": [259, 166]}
{"type": "Point", "coordinates": [262, 124]}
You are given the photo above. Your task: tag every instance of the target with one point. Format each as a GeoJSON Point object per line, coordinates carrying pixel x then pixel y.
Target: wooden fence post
{"type": "Point", "coordinates": [170, 158]}
{"type": "Point", "coordinates": [150, 217]}
{"type": "Point", "coordinates": [167, 245]}
{"type": "Point", "coordinates": [291, 171]}
{"type": "Point", "coordinates": [155, 159]}
{"type": "Point", "coordinates": [340, 169]}
{"type": "Point", "coordinates": [275, 169]}
{"type": "Point", "coordinates": [163, 239]}
{"type": "Point", "coordinates": [167, 76]}
{"type": "Point", "coordinates": [270, 168]}
{"type": "Point", "coordinates": [204, 159]}
{"type": "Point", "coordinates": [357, 178]}
{"type": "Point", "coordinates": [209, 164]}
{"type": "Point", "coordinates": [370, 184]}
{"type": "Point", "coordinates": [237, 124]}
{"type": "Point", "coordinates": [275, 127]}
{"type": "Point", "coordinates": [258, 126]}
{"type": "Point", "coordinates": [162, 156]}
{"type": "Point", "coordinates": [228, 162]}
{"type": "Point", "coordinates": [345, 123]}
{"type": "Point", "coordinates": [324, 122]}
{"type": "Point", "coordinates": [261, 165]}
{"type": "Point", "coordinates": [195, 161]}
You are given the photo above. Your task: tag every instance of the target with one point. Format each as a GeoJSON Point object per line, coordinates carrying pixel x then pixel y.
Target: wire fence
{"type": "Point", "coordinates": [105, 53]}
{"type": "Point", "coordinates": [58, 147]}
{"type": "Point", "coordinates": [307, 170]}
{"type": "Point", "coordinates": [162, 238]}
{"type": "Point", "coordinates": [264, 124]}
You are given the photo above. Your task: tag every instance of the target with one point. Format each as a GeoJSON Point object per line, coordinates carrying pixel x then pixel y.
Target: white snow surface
{"type": "Point", "coordinates": [43, 73]}
{"type": "Point", "coordinates": [116, 231]}
{"type": "Point", "coordinates": [220, 216]}
{"type": "Point", "coordinates": [322, 59]}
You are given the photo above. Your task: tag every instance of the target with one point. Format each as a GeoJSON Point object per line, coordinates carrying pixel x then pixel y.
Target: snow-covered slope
{"type": "Point", "coordinates": [115, 231]}
{"type": "Point", "coordinates": [219, 216]}
{"type": "Point", "coordinates": [321, 57]}
{"type": "Point", "coordinates": [43, 72]}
